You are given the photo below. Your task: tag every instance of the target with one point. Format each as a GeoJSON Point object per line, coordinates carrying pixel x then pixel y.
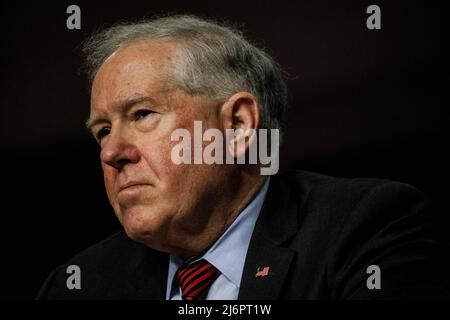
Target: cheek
{"type": "Point", "coordinates": [159, 159]}
{"type": "Point", "coordinates": [109, 178]}
{"type": "Point", "coordinates": [172, 178]}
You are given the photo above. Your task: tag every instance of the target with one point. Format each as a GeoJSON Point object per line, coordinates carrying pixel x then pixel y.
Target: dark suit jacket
{"type": "Point", "coordinates": [318, 234]}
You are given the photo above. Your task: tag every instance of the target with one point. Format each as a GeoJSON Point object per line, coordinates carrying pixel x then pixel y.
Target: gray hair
{"type": "Point", "coordinates": [217, 61]}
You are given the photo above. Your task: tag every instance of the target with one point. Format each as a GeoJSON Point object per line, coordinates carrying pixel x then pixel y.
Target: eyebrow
{"type": "Point", "coordinates": [121, 107]}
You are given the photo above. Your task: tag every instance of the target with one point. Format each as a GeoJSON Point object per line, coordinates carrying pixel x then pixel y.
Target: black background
{"type": "Point", "coordinates": [370, 103]}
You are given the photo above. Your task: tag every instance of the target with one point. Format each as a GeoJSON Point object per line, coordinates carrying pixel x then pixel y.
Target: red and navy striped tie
{"type": "Point", "coordinates": [195, 279]}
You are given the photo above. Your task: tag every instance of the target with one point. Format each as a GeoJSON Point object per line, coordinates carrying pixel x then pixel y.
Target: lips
{"type": "Point", "coordinates": [132, 184]}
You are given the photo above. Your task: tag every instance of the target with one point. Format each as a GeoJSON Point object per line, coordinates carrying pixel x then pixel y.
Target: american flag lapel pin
{"type": "Point", "coordinates": [262, 271]}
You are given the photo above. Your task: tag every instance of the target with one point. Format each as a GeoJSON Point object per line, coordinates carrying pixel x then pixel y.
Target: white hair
{"type": "Point", "coordinates": [217, 61]}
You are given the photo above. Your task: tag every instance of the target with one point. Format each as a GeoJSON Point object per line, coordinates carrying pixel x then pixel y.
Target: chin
{"type": "Point", "coordinates": [143, 225]}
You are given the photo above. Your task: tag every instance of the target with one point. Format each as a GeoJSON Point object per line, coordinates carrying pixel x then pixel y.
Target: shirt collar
{"type": "Point", "coordinates": [228, 253]}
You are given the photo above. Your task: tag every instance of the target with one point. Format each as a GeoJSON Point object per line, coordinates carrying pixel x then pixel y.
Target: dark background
{"type": "Point", "coordinates": [363, 103]}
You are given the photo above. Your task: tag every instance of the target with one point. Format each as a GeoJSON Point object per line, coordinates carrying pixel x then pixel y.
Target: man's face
{"type": "Point", "coordinates": [133, 112]}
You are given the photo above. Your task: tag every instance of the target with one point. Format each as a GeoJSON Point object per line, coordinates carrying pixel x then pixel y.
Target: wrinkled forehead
{"type": "Point", "coordinates": [142, 66]}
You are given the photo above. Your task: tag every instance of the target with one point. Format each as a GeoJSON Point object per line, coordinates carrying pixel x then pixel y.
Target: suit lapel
{"type": "Point", "coordinates": [264, 254]}
{"type": "Point", "coordinates": [278, 222]}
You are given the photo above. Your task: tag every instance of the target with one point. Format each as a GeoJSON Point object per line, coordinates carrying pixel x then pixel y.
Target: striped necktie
{"type": "Point", "coordinates": [195, 279]}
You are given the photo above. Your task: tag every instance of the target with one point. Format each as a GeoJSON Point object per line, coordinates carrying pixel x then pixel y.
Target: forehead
{"type": "Point", "coordinates": [137, 68]}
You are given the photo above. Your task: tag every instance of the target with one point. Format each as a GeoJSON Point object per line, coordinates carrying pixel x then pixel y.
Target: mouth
{"type": "Point", "coordinates": [132, 185]}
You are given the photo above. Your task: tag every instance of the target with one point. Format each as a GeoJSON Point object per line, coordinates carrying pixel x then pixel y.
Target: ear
{"type": "Point", "coordinates": [240, 117]}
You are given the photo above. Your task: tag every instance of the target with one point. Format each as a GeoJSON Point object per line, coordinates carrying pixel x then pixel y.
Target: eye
{"type": "Point", "coordinates": [102, 133]}
{"type": "Point", "coordinates": [142, 113]}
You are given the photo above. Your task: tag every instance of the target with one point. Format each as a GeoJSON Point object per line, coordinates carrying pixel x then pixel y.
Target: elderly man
{"type": "Point", "coordinates": [224, 231]}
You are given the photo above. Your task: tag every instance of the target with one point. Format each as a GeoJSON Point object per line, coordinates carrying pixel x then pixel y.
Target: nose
{"type": "Point", "coordinates": [119, 150]}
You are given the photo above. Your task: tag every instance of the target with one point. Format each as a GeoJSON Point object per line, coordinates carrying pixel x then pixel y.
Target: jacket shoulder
{"type": "Point", "coordinates": [336, 206]}
{"type": "Point", "coordinates": [325, 190]}
{"type": "Point", "coordinates": [348, 224]}
{"type": "Point", "coordinates": [107, 250]}
{"type": "Point", "coordinates": [104, 269]}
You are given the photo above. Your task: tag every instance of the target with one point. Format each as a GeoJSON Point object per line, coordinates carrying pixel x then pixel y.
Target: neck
{"type": "Point", "coordinates": [234, 197]}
